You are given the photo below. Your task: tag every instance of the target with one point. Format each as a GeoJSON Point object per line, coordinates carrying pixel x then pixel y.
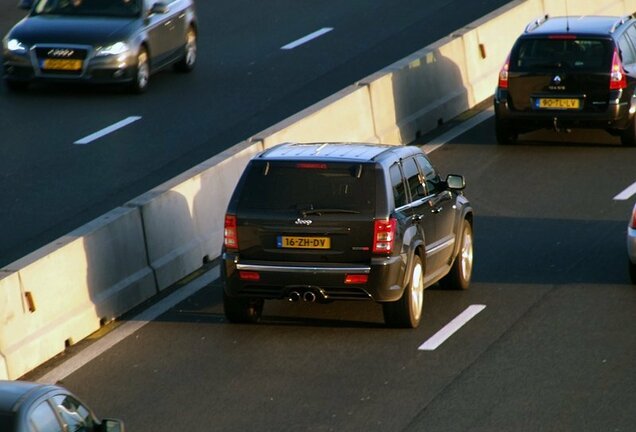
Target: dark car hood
{"type": "Point", "coordinates": [72, 30]}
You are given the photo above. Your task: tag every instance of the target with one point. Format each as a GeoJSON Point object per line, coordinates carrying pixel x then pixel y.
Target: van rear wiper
{"type": "Point", "coordinates": [327, 211]}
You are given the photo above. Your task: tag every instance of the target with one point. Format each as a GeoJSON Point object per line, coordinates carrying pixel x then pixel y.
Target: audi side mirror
{"type": "Point", "coordinates": [455, 182]}
{"type": "Point", "coordinates": [159, 8]}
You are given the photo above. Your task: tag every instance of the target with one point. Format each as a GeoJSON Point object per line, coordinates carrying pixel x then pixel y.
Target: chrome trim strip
{"type": "Point", "coordinates": [440, 245]}
{"type": "Point", "coordinates": [279, 269]}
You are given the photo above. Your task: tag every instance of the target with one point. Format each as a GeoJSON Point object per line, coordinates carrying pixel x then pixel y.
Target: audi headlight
{"type": "Point", "coordinates": [15, 46]}
{"type": "Point", "coordinates": [114, 49]}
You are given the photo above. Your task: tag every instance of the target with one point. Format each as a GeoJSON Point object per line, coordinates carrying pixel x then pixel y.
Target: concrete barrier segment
{"type": "Point", "coordinates": [419, 92]}
{"type": "Point", "coordinates": [69, 288]}
{"type": "Point", "coordinates": [11, 308]}
{"type": "Point", "coordinates": [344, 116]}
{"type": "Point", "coordinates": [183, 218]}
{"type": "Point", "coordinates": [586, 7]}
{"type": "Point", "coordinates": [486, 50]}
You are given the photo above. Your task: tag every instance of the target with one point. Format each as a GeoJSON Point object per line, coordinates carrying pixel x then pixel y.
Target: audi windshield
{"type": "Point", "coordinates": [105, 8]}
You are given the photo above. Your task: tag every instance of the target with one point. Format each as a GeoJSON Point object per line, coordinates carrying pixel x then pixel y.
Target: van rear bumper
{"type": "Point", "coordinates": [617, 116]}
{"type": "Point", "coordinates": [282, 280]}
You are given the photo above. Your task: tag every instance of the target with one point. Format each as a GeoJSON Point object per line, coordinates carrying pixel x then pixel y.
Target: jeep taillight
{"type": "Point", "coordinates": [632, 224]}
{"type": "Point", "coordinates": [618, 79]}
{"type": "Point", "coordinates": [384, 235]}
{"type": "Point", "coordinates": [503, 74]}
{"type": "Point", "coordinates": [230, 234]}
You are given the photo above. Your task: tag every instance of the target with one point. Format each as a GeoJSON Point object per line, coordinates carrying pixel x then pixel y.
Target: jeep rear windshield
{"type": "Point", "coordinates": [566, 52]}
{"type": "Point", "coordinates": [333, 187]}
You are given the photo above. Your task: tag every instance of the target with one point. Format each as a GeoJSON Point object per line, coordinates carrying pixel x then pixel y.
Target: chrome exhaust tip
{"type": "Point", "coordinates": [309, 296]}
{"type": "Point", "coordinates": [294, 296]}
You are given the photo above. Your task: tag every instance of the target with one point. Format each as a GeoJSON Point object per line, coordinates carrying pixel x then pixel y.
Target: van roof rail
{"type": "Point", "coordinates": [619, 22]}
{"type": "Point", "coordinates": [536, 23]}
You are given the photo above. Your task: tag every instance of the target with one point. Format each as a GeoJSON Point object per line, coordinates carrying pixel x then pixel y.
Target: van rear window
{"type": "Point", "coordinates": [575, 54]}
{"type": "Point", "coordinates": [304, 186]}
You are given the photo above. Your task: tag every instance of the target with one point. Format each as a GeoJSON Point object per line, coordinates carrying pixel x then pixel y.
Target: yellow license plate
{"type": "Point", "coordinates": [294, 242]}
{"type": "Point", "coordinates": [559, 103]}
{"type": "Point", "coordinates": [62, 64]}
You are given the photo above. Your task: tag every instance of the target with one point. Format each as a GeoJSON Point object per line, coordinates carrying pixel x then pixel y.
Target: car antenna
{"type": "Point", "coordinates": [567, 17]}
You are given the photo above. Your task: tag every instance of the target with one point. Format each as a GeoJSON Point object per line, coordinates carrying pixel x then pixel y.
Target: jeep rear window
{"type": "Point", "coordinates": [568, 53]}
{"type": "Point", "coordinates": [307, 185]}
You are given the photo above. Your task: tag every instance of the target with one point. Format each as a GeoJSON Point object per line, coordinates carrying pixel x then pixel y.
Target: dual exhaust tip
{"type": "Point", "coordinates": [307, 296]}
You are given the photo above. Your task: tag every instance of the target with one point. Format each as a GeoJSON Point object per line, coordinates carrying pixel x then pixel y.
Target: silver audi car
{"type": "Point", "coordinates": [631, 245]}
{"type": "Point", "coordinates": [99, 41]}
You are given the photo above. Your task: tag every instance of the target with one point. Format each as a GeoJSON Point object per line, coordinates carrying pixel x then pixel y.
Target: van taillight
{"type": "Point", "coordinates": [230, 234]}
{"type": "Point", "coordinates": [384, 235]}
{"type": "Point", "coordinates": [618, 79]}
{"type": "Point", "coordinates": [503, 74]}
{"type": "Point", "coordinates": [632, 224]}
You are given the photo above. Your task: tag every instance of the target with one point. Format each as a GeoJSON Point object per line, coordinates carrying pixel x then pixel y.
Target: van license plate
{"type": "Point", "coordinates": [555, 103]}
{"type": "Point", "coordinates": [294, 242]}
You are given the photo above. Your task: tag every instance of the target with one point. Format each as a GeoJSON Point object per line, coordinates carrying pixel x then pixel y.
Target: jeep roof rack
{"type": "Point", "coordinates": [536, 23]}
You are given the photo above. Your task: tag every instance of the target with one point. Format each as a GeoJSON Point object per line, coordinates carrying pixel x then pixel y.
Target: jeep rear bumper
{"type": "Point", "coordinates": [281, 280]}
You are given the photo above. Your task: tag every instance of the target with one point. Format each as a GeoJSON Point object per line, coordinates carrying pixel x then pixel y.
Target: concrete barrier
{"type": "Point", "coordinates": [12, 305]}
{"type": "Point", "coordinates": [63, 292]}
{"type": "Point", "coordinates": [184, 217]}
{"type": "Point", "coordinates": [419, 92]}
{"type": "Point", "coordinates": [486, 49]}
{"type": "Point", "coordinates": [588, 7]}
{"type": "Point", "coordinates": [344, 116]}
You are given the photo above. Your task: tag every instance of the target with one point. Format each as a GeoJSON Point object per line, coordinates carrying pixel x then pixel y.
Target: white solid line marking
{"type": "Point", "coordinates": [626, 194]}
{"type": "Point", "coordinates": [307, 38]}
{"type": "Point", "coordinates": [112, 128]}
{"type": "Point", "coordinates": [457, 131]}
{"type": "Point", "coordinates": [123, 331]}
{"type": "Point", "coordinates": [449, 329]}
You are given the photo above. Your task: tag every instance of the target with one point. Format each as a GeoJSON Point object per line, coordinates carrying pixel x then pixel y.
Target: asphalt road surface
{"type": "Point", "coordinates": [553, 349]}
{"type": "Point", "coordinates": [244, 82]}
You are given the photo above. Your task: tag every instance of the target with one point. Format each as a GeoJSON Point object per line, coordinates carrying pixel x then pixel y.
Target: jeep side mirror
{"type": "Point", "coordinates": [455, 182]}
{"type": "Point", "coordinates": [111, 425]}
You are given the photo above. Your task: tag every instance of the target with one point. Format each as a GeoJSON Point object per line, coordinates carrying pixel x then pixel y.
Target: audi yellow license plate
{"type": "Point", "coordinates": [62, 64]}
{"type": "Point", "coordinates": [557, 103]}
{"type": "Point", "coordinates": [294, 242]}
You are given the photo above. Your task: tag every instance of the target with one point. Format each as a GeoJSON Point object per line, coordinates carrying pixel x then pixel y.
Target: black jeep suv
{"type": "Point", "coordinates": [567, 72]}
{"type": "Point", "coordinates": [336, 221]}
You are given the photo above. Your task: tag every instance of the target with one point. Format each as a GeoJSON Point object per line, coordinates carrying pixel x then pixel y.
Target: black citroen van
{"type": "Point", "coordinates": [570, 72]}
{"type": "Point", "coordinates": [340, 221]}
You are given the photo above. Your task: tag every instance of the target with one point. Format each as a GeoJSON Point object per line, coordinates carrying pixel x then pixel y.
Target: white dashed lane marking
{"type": "Point", "coordinates": [626, 194]}
{"type": "Point", "coordinates": [307, 38]}
{"type": "Point", "coordinates": [110, 129]}
{"type": "Point", "coordinates": [449, 329]}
